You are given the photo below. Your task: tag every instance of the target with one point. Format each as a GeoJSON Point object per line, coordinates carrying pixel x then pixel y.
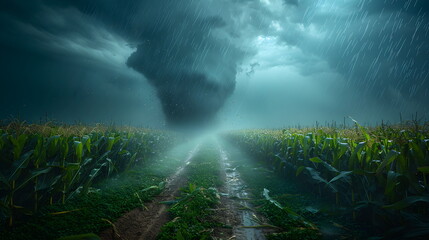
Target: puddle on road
{"type": "Point", "coordinates": [236, 190]}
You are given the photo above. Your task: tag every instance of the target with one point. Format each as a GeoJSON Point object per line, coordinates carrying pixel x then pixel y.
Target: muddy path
{"type": "Point", "coordinates": [145, 223]}
{"type": "Point", "coordinates": [233, 211]}
{"type": "Point", "coordinates": [257, 177]}
{"type": "Point", "coordinates": [235, 200]}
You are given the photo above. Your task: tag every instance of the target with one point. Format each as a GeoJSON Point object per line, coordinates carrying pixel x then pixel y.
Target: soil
{"type": "Point", "coordinates": [145, 224]}
{"type": "Point", "coordinates": [226, 213]}
{"type": "Point", "coordinates": [233, 211]}
{"type": "Point", "coordinates": [239, 208]}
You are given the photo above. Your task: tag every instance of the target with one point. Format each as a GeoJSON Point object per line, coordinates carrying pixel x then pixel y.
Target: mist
{"type": "Point", "coordinates": [229, 64]}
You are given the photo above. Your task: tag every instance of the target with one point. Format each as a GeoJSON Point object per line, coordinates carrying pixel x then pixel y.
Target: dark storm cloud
{"type": "Point", "coordinates": [183, 56]}
{"type": "Point", "coordinates": [59, 61]}
{"type": "Point", "coordinates": [292, 2]}
{"type": "Point", "coordinates": [177, 48]}
{"type": "Point", "coordinates": [386, 51]}
{"type": "Point", "coordinates": [409, 6]}
{"type": "Point", "coordinates": [335, 58]}
{"type": "Point", "coordinates": [192, 70]}
{"type": "Point", "coordinates": [380, 47]}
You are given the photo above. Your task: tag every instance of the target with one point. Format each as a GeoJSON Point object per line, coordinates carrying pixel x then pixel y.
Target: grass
{"type": "Point", "coordinates": [192, 213]}
{"type": "Point", "coordinates": [204, 169]}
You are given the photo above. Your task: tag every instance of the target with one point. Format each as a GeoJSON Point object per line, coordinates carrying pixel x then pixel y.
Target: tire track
{"type": "Point", "coordinates": [241, 208]}
{"type": "Point", "coordinates": [145, 224]}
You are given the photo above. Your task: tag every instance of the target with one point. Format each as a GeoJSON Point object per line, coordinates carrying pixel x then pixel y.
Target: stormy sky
{"type": "Point", "coordinates": [234, 63]}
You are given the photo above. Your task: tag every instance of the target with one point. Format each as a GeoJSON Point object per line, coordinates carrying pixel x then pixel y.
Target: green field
{"type": "Point", "coordinates": [377, 178]}
{"type": "Point", "coordinates": [314, 183]}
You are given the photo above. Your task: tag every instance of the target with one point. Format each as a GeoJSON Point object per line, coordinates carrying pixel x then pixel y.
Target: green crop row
{"type": "Point", "coordinates": [37, 169]}
{"type": "Point", "coordinates": [383, 180]}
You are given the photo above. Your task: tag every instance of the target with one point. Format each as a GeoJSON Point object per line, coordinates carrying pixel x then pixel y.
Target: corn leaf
{"type": "Point", "coordinates": [316, 160]}
{"type": "Point", "coordinates": [407, 202]}
{"type": "Point", "coordinates": [391, 156]}
{"type": "Point", "coordinates": [19, 165]}
{"type": "Point", "coordinates": [423, 169]}
{"type": "Point", "coordinates": [344, 175]}
{"type": "Point", "coordinates": [299, 170]}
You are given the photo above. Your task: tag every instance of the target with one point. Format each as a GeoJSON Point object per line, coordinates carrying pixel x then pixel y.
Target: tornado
{"type": "Point", "coordinates": [188, 61]}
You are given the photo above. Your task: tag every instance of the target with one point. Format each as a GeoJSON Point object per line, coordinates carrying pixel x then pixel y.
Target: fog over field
{"type": "Point", "coordinates": [228, 63]}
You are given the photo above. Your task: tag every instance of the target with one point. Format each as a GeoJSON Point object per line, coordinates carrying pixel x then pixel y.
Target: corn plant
{"type": "Point", "coordinates": [358, 167]}
{"type": "Point", "coordinates": [45, 167]}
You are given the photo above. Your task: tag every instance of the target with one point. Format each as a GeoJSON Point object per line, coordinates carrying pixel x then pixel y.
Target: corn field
{"type": "Point", "coordinates": [377, 175]}
{"type": "Point", "coordinates": [42, 165]}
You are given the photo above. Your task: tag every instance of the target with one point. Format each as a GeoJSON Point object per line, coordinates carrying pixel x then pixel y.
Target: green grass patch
{"type": "Point", "coordinates": [192, 213]}
{"type": "Point", "coordinates": [204, 169]}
